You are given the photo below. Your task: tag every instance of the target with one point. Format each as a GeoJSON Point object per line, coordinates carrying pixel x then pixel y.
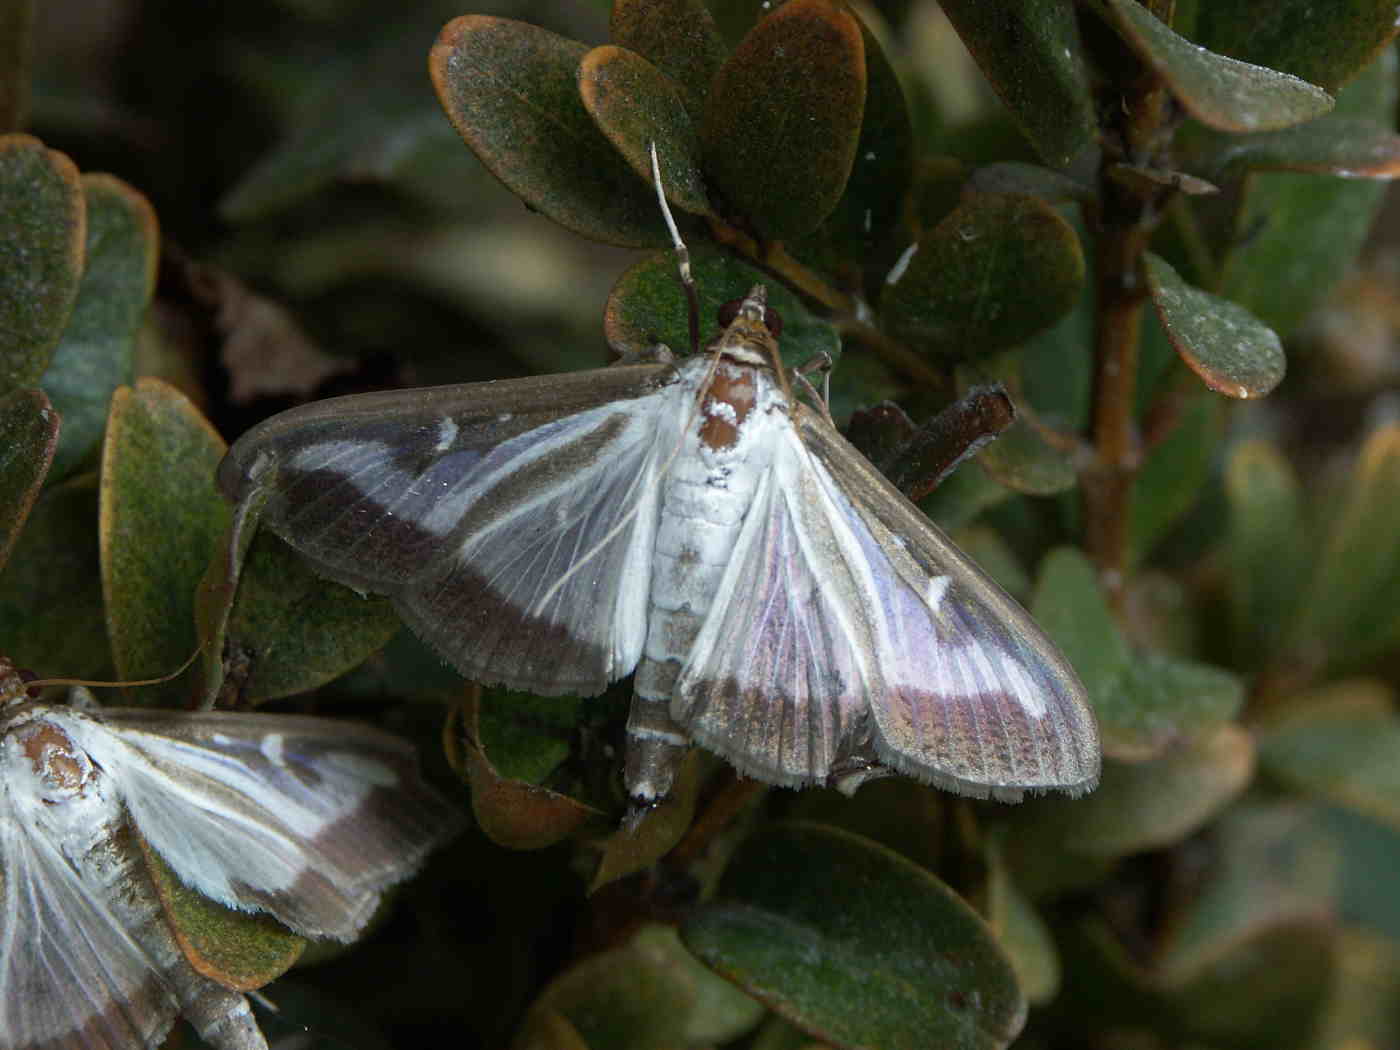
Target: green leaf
{"type": "Point", "coordinates": [45, 225]}
{"type": "Point", "coordinates": [648, 306]}
{"type": "Point", "coordinates": [160, 520]}
{"type": "Point", "coordinates": [295, 629]}
{"type": "Point", "coordinates": [95, 354]}
{"type": "Point", "coordinates": [511, 91]}
{"type": "Point", "coordinates": [239, 950]}
{"type": "Point", "coordinates": [51, 588]}
{"type": "Point", "coordinates": [1350, 609]}
{"type": "Point", "coordinates": [510, 806]}
{"type": "Point", "coordinates": [1143, 699]}
{"type": "Point", "coordinates": [1031, 53]}
{"type": "Point", "coordinates": [634, 104]}
{"type": "Point", "coordinates": [678, 37]}
{"type": "Point", "coordinates": [1021, 459]}
{"type": "Point", "coordinates": [1022, 933]}
{"type": "Point", "coordinates": [1268, 551]}
{"type": "Point", "coordinates": [1140, 806]}
{"type": "Point", "coordinates": [28, 436]}
{"type": "Point", "coordinates": [1325, 44]}
{"type": "Point", "coordinates": [649, 994]}
{"type": "Point", "coordinates": [865, 950]}
{"type": "Point", "coordinates": [1297, 235]}
{"type": "Point", "coordinates": [993, 273]}
{"type": "Point", "coordinates": [784, 118]}
{"type": "Point", "coordinates": [360, 115]}
{"type": "Point", "coordinates": [1030, 180]}
{"type": "Point", "coordinates": [1340, 744]}
{"type": "Point", "coordinates": [1348, 147]}
{"type": "Point", "coordinates": [1250, 960]}
{"type": "Point", "coordinates": [1174, 473]}
{"type": "Point", "coordinates": [872, 204]}
{"type": "Point", "coordinates": [1223, 343]}
{"type": "Point", "coordinates": [1220, 92]}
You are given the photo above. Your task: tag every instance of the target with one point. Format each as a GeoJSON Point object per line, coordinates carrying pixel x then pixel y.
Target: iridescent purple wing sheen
{"type": "Point", "coordinates": [866, 632]}
{"type": "Point", "coordinates": [511, 522]}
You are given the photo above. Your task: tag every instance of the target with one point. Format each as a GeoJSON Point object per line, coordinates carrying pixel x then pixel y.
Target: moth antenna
{"type": "Point", "coordinates": [692, 297]}
{"type": "Point", "coordinates": [43, 683]}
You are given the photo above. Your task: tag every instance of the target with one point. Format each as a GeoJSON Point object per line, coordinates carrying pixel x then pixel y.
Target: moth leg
{"type": "Point", "coordinates": [692, 297]}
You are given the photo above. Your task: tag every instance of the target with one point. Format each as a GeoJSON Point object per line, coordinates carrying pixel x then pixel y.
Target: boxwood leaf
{"type": "Point", "coordinates": [647, 306]}
{"type": "Point", "coordinates": [1340, 744]}
{"type": "Point", "coordinates": [95, 354]}
{"type": "Point", "coordinates": [1325, 44]}
{"type": "Point", "coordinates": [991, 274]}
{"type": "Point", "coordinates": [1296, 235]}
{"type": "Point", "coordinates": [678, 37]}
{"type": "Point", "coordinates": [784, 117]}
{"type": "Point", "coordinates": [1032, 54]}
{"type": "Point", "coordinates": [51, 588]}
{"type": "Point", "coordinates": [866, 950]}
{"type": "Point", "coordinates": [634, 104]}
{"type": "Point", "coordinates": [161, 518]}
{"type": "Point", "coordinates": [45, 225]}
{"type": "Point", "coordinates": [1350, 608]}
{"type": "Point", "coordinates": [1234, 352]}
{"type": "Point", "coordinates": [28, 436]}
{"type": "Point", "coordinates": [1220, 92]}
{"type": "Point", "coordinates": [511, 91]}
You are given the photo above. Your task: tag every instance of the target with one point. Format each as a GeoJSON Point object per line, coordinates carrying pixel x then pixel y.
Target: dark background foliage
{"type": "Point", "coordinates": [1141, 239]}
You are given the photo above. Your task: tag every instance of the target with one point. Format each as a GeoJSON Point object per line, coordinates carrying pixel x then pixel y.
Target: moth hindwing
{"type": "Point", "coordinates": [778, 600]}
{"type": "Point", "coordinates": [305, 820]}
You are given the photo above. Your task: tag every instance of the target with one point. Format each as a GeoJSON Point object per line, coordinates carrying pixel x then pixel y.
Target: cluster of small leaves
{"type": "Point", "coordinates": [1233, 620]}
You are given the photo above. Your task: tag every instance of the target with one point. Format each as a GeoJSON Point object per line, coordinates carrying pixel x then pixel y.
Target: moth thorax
{"type": "Point", "coordinates": [63, 768]}
{"type": "Point", "coordinates": [726, 403]}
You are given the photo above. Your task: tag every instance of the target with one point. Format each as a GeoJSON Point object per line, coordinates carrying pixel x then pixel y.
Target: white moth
{"type": "Point", "coordinates": [779, 601]}
{"type": "Point", "coordinates": [306, 819]}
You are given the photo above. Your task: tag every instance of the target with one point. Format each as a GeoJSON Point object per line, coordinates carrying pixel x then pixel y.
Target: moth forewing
{"type": "Point", "coordinates": [466, 506]}
{"type": "Point", "coordinates": [305, 819]}
{"type": "Point", "coordinates": [981, 702]}
{"type": "Point", "coordinates": [779, 600]}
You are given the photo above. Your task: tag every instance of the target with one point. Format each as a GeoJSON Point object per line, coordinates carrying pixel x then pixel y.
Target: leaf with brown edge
{"type": "Point", "coordinates": [678, 37]}
{"type": "Point", "coordinates": [160, 520]}
{"type": "Point", "coordinates": [1220, 92]}
{"type": "Point", "coordinates": [28, 437]}
{"type": "Point", "coordinates": [1325, 44]}
{"type": "Point", "coordinates": [648, 306]}
{"type": "Point", "coordinates": [511, 91]}
{"type": "Point", "coordinates": [512, 813]}
{"type": "Point", "coordinates": [45, 224]}
{"type": "Point", "coordinates": [1234, 352]}
{"type": "Point", "coordinates": [992, 273]}
{"type": "Point", "coordinates": [634, 104]}
{"type": "Point", "coordinates": [784, 118]}
{"type": "Point", "coordinates": [96, 353]}
{"type": "Point", "coordinates": [867, 950]}
{"type": "Point", "coordinates": [239, 950]}
{"type": "Point", "coordinates": [1348, 147]}
{"type": "Point", "coordinates": [1031, 53]}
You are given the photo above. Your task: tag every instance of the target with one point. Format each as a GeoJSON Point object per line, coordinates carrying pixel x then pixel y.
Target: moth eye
{"type": "Point", "coordinates": [773, 321]}
{"type": "Point", "coordinates": [728, 311]}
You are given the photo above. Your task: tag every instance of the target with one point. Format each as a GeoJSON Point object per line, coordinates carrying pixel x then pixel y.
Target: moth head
{"type": "Point", "coordinates": [749, 329]}
{"type": "Point", "coordinates": [62, 769]}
